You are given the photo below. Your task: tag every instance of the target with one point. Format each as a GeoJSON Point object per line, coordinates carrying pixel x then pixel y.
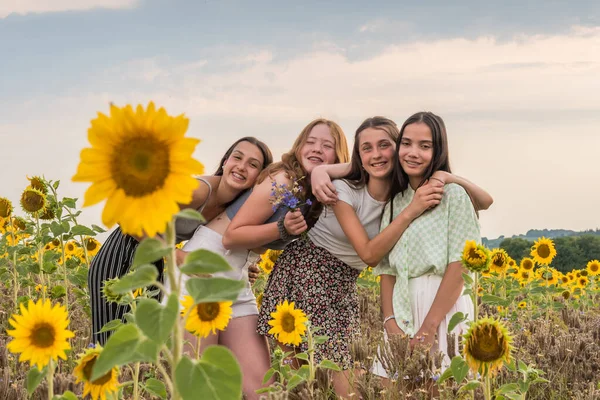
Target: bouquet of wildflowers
{"type": "Point", "coordinates": [283, 195]}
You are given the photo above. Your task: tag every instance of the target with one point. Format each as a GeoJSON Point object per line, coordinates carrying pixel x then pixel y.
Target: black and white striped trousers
{"type": "Point", "coordinates": [113, 260]}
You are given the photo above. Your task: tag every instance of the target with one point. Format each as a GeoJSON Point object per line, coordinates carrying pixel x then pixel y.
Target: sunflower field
{"type": "Point", "coordinates": [534, 332]}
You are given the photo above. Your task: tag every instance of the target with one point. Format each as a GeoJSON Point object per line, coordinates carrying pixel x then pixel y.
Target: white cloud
{"type": "Point", "coordinates": [23, 7]}
{"type": "Point", "coordinates": [522, 115]}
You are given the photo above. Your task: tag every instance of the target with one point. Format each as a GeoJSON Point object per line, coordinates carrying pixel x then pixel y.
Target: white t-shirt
{"type": "Point", "coordinates": [328, 233]}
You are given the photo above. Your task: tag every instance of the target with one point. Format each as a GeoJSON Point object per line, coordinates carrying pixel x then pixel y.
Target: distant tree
{"type": "Point", "coordinates": [517, 248]}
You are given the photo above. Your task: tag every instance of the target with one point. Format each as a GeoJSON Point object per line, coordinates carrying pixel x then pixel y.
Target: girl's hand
{"type": "Point", "coordinates": [322, 187]}
{"type": "Point", "coordinates": [294, 222]}
{"type": "Point", "coordinates": [253, 272]}
{"type": "Point", "coordinates": [440, 178]}
{"type": "Point", "coordinates": [392, 328]}
{"type": "Point", "coordinates": [426, 197]}
{"type": "Point", "coordinates": [423, 336]}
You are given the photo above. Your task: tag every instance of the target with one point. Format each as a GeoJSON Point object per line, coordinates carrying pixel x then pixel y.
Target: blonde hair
{"type": "Point", "coordinates": [291, 165]}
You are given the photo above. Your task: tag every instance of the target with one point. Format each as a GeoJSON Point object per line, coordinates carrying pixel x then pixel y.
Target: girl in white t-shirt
{"type": "Point", "coordinates": [319, 274]}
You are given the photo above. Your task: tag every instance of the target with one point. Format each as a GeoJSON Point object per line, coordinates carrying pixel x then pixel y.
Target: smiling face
{"type": "Point", "coordinates": [243, 166]}
{"type": "Point", "coordinates": [376, 149]}
{"type": "Point", "coordinates": [318, 149]}
{"type": "Point", "coordinates": [416, 151]}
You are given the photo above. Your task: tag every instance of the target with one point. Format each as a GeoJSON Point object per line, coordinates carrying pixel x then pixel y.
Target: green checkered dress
{"type": "Point", "coordinates": [430, 243]}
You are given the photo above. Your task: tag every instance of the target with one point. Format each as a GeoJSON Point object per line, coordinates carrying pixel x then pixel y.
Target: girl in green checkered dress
{"type": "Point", "coordinates": [421, 279]}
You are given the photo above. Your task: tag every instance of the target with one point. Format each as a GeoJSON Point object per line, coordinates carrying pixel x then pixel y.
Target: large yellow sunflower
{"type": "Point", "coordinates": [475, 257]}
{"type": "Point", "coordinates": [101, 387]}
{"type": "Point", "coordinates": [486, 346]}
{"type": "Point", "coordinates": [499, 261]}
{"type": "Point", "coordinates": [142, 164]}
{"type": "Point", "coordinates": [593, 267]}
{"type": "Point", "coordinates": [40, 333]}
{"type": "Point", "coordinates": [543, 251]}
{"type": "Point", "coordinates": [288, 324]}
{"type": "Point", "coordinates": [206, 318]}
{"type": "Point", "coordinates": [582, 282]}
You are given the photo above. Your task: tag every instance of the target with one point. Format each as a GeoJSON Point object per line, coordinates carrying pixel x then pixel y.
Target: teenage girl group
{"type": "Point", "coordinates": [393, 205]}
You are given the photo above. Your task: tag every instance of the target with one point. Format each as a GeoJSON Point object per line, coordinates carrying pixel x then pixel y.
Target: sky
{"type": "Point", "coordinates": [517, 83]}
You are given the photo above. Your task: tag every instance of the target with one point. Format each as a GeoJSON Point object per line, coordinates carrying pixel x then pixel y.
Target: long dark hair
{"type": "Point", "coordinates": [264, 149]}
{"type": "Point", "coordinates": [357, 177]}
{"type": "Point", "coordinates": [439, 162]}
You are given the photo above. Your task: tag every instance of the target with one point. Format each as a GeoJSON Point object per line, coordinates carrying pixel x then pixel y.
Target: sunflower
{"type": "Point", "coordinates": [142, 164]}
{"type": "Point", "coordinates": [523, 304]}
{"type": "Point", "coordinates": [566, 294]}
{"type": "Point", "coordinates": [486, 346]}
{"type": "Point", "coordinates": [38, 183]}
{"type": "Point", "coordinates": [564, 279]}
{"type": "Point", "coordinates": [571, 276]}
{"type": "Point", "coordinates": [548, 275]}
{"type": "Point", "coordinates": [499, 261]}
{"type": "Point", "coordinates": [206, 318]}
{"type": "Point", "coordinates": [101, 387]}
{"type": "Point", "coordinates": [543, 251]}
{"type": "Point", "coordinates": [40, 333]}
{"type": "Point", "coordinates": [525, 275]}
{"type": "Point", "coordinates": [39, 288]}
{"type": "Point", "coordinates": [593, 267]}
{"type": "Point", "coordinates": [70, 248]}
{"type": "Point", "coordinates": [475, 257]}
{"type": "Point", "coordinates": [266, 265]}
{"type": "Point", "coordinates": [582, 282]}
{"type": "Point", "coordinates": [527, 264]}
{"type": "Point", "coordinates": [288, 324]}
{"type": "Point", "coordinates": [49, 212]}
{"type": "Point", "coordinates": [33, 201]}
{"type": "Point", "coordinates": [91, 245]}
{"type": "Point", "coordinates": [6, 207]}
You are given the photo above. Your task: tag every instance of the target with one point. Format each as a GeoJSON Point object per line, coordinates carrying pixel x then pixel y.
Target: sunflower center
{"type": "Point", "coordinates": [5, 209]}
{"type": "Point", "coordinates": [594, 267]}
{"type": "Point", "coordinates": [288, 323]}
{"type": "Point", "coordinates": [566, 294]}
{"type": "Point", "coordinates": [474, 255]}
{"type": "Point", "coordinates": [527, 264]}
{"type": "Point", "coordinates": [42, 335]}
{"type": "Point", "coordinates": [140, 166]}
{"type": "Point", "coordinates": [499, 261]}
{"type": "Point", "coordinates": [488, 346]}
{"type": "Point", "coordinates": [90, 245]}
{"type": "Point", "coordinates": [543, 251]}
{"type": "Point", "coordinates": [87, 373]}
{"type": "Point", "coordinates": [208, 311]}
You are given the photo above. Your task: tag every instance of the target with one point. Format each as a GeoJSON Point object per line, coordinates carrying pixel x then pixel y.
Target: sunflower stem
{"type": "Point", "coordinates": [15, 272]}
{"type": "Point", "coordinates": [50, 379]}
{"type": "Point", "coordinates": [65, 280]}
{"type": "Point", "coordinates": [177, 329]}
{"type": "Point", "coordinates": [136, 378]}
{"type": "Point", "coordinates": [476, 297]}
{"type": "Point", "coordinates": [488, 388]}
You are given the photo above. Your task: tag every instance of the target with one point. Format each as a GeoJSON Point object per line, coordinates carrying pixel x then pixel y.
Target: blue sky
{"type": "Point", "coordinates": [507, 77]}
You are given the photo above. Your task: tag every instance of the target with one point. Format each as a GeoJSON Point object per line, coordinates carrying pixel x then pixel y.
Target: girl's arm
{"type": "Point", "coordinates": [371, 251]}
{"type": "Point", "coordinates": [480, 198]}
{"type": "Point", "coordinates": [448, 293]}
{"type": "Point", "coordinates": [320, 181]}
{"type": "Point", "coordinates": [248, 230]}
{"type": "Point", "coordinates": [387, 287]}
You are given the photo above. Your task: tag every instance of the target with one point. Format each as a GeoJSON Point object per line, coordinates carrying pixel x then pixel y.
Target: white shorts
{"type": "Point", "coordinates": [240, 260]}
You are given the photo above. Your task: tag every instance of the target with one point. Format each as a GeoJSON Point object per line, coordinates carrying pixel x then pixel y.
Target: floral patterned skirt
{"type": "Point", "coordinates": [324, 288]}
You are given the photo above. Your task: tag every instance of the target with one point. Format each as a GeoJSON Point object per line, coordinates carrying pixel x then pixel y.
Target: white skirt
{"type": "Point", "coordinates": [240, 260]}
{"type": "Point", "coordinates": [422, 294]}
